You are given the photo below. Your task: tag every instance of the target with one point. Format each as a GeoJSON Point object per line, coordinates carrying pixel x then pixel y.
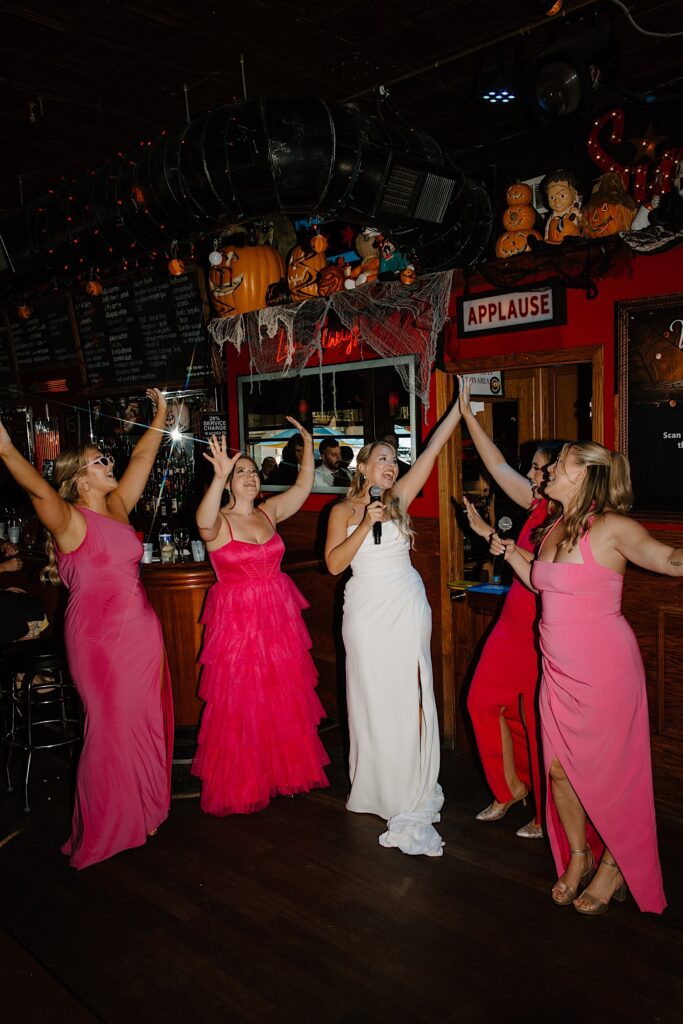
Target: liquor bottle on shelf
{"type": "Point", "coordinates": [166, 547]}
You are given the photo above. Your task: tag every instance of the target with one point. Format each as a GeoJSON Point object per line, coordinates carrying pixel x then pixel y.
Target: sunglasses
{"type": "Point", "coordinates": [101, 460]}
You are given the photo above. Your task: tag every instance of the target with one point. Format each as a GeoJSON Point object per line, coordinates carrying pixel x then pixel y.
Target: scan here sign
{"type": "Point", "coordinates": [491, 312]}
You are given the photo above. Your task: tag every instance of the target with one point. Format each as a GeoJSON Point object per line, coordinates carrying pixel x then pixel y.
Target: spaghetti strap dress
{"type": "Point", "coordinates": [394, 752]}
{"type": "Point", "coordinates": [594, 719]}
{"type": "Point", "coordinates": [115, 652]}
{"type": "Point", "coordinates": [259, 731]}
{"type": "Point", "coordinates": [509, 667]}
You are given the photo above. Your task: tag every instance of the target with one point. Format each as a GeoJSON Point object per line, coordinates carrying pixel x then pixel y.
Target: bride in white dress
{"type": "Point", "coordinates": [394, 733]}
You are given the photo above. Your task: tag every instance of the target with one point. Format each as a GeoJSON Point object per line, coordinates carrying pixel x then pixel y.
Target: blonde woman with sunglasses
{"type": "Point", "coordinates": [113, 640]}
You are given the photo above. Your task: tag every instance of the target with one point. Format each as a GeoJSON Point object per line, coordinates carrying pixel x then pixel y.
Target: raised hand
{"type": "Point", "coordinates": [464, 392]}
{"type": "Point", "coordinates": [218, 456]}
{"type": "Point", "coordinates": [307, 438]}
{"type": "Point", "coordinates": [159, 400]}
{"type": "Point", "coordinates": [477, 524]}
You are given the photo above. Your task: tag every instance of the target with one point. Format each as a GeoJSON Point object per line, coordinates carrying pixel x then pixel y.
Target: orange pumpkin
{"type": "Point", "coordinates": [518, 218]}
{"type": "Point", "coordinates": [408, 275]}
{"type": "Point", "coordinates": [303, 268]}
{"type": "Point", "coordinates": [512, 243]}
{"type": "Point", "coordinates": [319, 243]}
{"type": "Point", "coordinates": [240, 283]}
{"type": "Point", "coordinates": [93, 288]}
{"type": "Point", "coordinates": [560, 226]}
{"type": "Point", "coordinates": [330, 280]}
{"type": "Point", "coordinates": [25, 312]}
{"type": "Point", "coordinates": [519, 194]}
{"type": "Point", "coordinates": [176, 267]}
{"type": "Point", "coordinates": [610, 208]}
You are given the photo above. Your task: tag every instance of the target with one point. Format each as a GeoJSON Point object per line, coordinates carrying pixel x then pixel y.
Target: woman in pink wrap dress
{"type": "Point", "coordinates": [593, 702]}
{"type": "Point", "coordinates": [113, 642]}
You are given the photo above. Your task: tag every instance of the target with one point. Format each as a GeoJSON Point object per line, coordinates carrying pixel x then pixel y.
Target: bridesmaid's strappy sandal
{"type": "Point", "coordinates": [565, 896]}
{"type": "Point", "coordinates": [596, 906]}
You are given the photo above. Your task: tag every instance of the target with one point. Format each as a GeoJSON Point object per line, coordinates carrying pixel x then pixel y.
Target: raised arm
{"type": "Point", "coordinates": [55, 514]}
{"type": "Point", "coordinates": [133, 482]}
{"type": "Point", "coordinates": [283, 505]}
{"type": "Point", "coordinates": [636, 545]}
{"type": "Point", "coordinates": [410, 485]}
{"type": "Point", "coordinates": [515, 485]}
{"type": "Point", "coordinates": [209, 519]}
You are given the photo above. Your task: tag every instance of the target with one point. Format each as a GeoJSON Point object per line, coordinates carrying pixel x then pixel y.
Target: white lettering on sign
{"type": "Point", "coordinates": [672, 327]}
{"type": "Point", "coordinates": [514, 309]}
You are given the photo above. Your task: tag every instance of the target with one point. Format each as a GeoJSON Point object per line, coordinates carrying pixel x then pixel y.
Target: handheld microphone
{"type": "Point", "coordinates": [376, 495]}
{"type": "Point", "coordinates": [504, 526]}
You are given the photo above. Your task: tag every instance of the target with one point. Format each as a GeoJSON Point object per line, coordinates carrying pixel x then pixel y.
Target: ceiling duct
{"type": "Point", "coordinates": [254, 159]}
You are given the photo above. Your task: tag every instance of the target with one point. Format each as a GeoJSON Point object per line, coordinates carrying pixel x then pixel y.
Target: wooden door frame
{"type": "Point", "coordinates": [450, 486]}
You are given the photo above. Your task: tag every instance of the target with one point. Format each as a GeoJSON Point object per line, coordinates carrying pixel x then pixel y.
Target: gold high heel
{"type": "Point", "coordinates": [596, 906]}
{"type": "Point", "coordinates": [566, 896]}
{"type": "Point", "coordinates": [492, 813]}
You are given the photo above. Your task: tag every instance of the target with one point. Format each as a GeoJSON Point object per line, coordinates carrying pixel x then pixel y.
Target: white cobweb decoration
{"type": "Point", "coordinates": [388, 317]}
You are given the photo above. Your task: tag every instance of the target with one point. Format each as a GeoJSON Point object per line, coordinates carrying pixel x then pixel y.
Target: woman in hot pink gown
{"type": "Point", "coordinates": [113, 642]}
{"type": "Point", "coordinates": [593, 702]}
{"type": "Point", "coordinates": [258, 736]}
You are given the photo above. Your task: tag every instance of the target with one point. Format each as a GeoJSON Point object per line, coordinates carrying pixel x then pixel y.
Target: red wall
{"type": "Point", "coordinates": [589, 322]}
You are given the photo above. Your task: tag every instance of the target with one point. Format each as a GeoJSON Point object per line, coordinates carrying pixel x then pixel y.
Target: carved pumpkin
{"type": "Point", "coordinates": [512, 243]}
{"type": "Point", "coordinates": [519, 194]}
{"type": "Point", "coordinates": [610, 208]}
{"type": "Point", "coordinates": [93, 288]}
{"type": "Point", "coordinates": [303, 268]}
{"type": "Point", "coordinates": [330, 280]}
{"type": "Point", "coordinates": [518, 218]}
{"type": "Point", "coordinates": [408, 275]}
{"type": "Point", "coordinates": [25, 312]}
{"type": "Point", "coordinates": [240, 283]}
{"type": "Point", "coordinates": [176, 267]}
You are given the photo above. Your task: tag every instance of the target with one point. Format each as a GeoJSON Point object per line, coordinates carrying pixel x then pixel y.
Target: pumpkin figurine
{"type": "Point", "coordinates": [330, 280]}
{"type": "Point", "coordinates": [519, 221]}
{"type": "Point", "coordinates": [240, 283]}
{"type": "Point", "coordinates": [610, 208]}
{"type": "Point", "coordinates": [366, 245]}
{"type": "Point", "coordinates": [560, 190]}
{"type": "Point", "coordinates": [93, 287]}
{"type": "Point", "coordinates": [303, 267]}
{"type": "Point", "coordinates": [408, 275]}
{"type": "Point", "coordinates": [24, 312]}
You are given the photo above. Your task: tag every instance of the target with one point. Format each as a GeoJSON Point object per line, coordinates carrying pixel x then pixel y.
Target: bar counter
{"type": "Point", "coordinates": [177, 592]}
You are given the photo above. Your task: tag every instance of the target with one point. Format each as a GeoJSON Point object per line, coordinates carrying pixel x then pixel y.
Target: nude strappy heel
{"type": "Point", "coordinates": [597, 906]}
{"type": "Point", "coordinates": [566, 896]}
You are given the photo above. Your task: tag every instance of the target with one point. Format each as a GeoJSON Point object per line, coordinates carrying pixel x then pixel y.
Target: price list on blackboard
{"type": "Point", "coordinates": [143, 330]}
{"type": "Point", "coordinates": [46, 337]}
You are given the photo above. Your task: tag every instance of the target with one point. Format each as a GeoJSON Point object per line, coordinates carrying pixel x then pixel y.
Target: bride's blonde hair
{"type": "Point", "coordinates": [68, 467]}
{"type": "Point", "coordinates": [606, 488]}
{"type": "Point", "coordinates": [390, 498]}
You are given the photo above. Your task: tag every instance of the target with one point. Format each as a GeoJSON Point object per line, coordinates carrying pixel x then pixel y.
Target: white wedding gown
{"type": "Point", "coordinates": [394, 750]}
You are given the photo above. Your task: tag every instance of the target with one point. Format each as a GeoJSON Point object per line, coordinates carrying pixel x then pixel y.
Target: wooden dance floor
{"type": "Point", "coordinates": [297, 914]}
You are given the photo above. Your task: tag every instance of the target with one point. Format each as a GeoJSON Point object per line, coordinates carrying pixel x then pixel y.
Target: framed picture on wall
{"type": "Point", "coordinates": [650, 373]}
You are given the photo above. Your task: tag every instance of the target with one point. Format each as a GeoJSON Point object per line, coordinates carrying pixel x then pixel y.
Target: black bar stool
{"type": "Point", "coordinates": [41, 708]}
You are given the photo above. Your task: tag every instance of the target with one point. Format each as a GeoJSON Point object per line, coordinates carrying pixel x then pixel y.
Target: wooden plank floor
{"type": "Point", "coordinates": [297, 914]}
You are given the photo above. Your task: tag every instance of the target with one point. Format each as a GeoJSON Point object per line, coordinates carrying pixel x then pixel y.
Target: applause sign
{"type": "Point", "coordinates": [520, 310]}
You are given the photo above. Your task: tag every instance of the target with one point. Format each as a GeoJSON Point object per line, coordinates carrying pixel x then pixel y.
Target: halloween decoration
{"type": "Point", "coordinates": [93, 287]}
{"type": "Point", "coordinates": [391, 261]}
{"type": "Point", "coordinates": [24, 312]}
{"type": "Point", "coordinates": [241, 281]}
{"type": "Point", "coordinates": [610, 208]}
{"type": "Point", "coordinates": [330, 280]}
{"type": "Point", "coordinates": [518, 220]}
{"type": "Point", "coordinates": [304, 265]}
{"type": "Point", "coordinates": [408, 275]}
{"type": "Point", "coordinates": [176, 267]}
{"type": "Point", "coordinates": [561, 191]}
{"type": "Point", "coordinates": [367, 246]}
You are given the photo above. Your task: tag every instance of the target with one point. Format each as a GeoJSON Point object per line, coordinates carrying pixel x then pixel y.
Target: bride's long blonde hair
{"type": "Point", "coordinates": [68, 467]}
{"type": "Point", "coordinates": [390, 498]}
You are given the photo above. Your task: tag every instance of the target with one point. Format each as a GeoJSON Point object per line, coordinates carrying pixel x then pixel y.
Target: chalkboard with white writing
{"type": "Point", "coordinates": [46, 337]}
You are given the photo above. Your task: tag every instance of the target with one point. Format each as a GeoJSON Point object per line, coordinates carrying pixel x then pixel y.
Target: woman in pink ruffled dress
{"type": "Point", "coordinates": [113, 641]}
{"type": "Point", "coordinates": [593, 702]}
{"type": "Point", "coordinates": [259, 735]}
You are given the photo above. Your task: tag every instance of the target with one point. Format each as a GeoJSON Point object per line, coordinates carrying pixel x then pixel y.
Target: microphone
{"type": "Point", "coordinates": [376, 495]}
{"type": "Point", "coordinates": [504, 526]}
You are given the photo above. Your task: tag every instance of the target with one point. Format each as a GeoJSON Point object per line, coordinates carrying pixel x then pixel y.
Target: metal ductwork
{"type": "Point", "coordinates": [250, 160]}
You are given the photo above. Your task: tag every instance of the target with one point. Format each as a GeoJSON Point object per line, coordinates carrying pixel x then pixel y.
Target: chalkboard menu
{"type": "Point", "coordinates": [6, 368]}
{"type": "Point", "coordinates": [143, 330]}
{"type": "Point", "coordinates": [46, 337]}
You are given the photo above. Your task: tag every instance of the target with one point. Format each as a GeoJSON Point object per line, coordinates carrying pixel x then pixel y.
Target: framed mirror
{"type": "Point", "coordinates": [651, 402]}
{"type": "Point", "coordinates": [345, 406]}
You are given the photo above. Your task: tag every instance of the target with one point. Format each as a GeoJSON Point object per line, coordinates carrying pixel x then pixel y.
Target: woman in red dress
{"type": "Point", "coordinates": [502, 695]}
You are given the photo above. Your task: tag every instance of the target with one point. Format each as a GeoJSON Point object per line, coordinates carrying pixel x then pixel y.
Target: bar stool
{"type": "Point", "coordinates": [41, 708]}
